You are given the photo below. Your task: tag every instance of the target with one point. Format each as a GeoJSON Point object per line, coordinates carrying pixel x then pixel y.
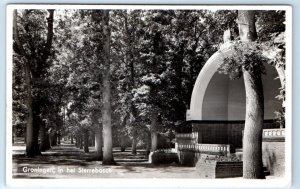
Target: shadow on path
{"type": "Point", "coordinates": [67, 161]}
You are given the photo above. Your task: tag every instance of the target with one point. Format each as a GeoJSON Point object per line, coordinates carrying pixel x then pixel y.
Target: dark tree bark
{"type": "Point", "coordinates": [80, 142]}
{"type": "Point", "coordinates": [123, 135]}
{"type": "Point", "coordinates": [148, 145]}
{"type": "Point", "coordinates": [177, 66]}
{"type": "Point", "coordinates": [76, 141]}
{"type": "Point", "coordinates": [44, 136]}
{"type": "Point", "coordinates": [154, 131]}
{"type": "Point", "coordinates": [53, 139]}
{"type": "Point", "coordinates": [131, 68]}
{"type": "Point", "coordinates": [72, 139]}
{"type": "Point", "coordinates": [30, 147]}
{"type": "Point", "coordinates": [252, 140]}
{"type": "Point", "coordinates": [98, 144]}
{"type": "Point", "coordinates": [123, 143]}
{"type": "Point", "coordinates": [134, 142]}
{"type": "Point", "coordinates": [86, 141]}
{"type": "Point", "coordinates": [154, 90]}
{"type": "Point", "coordinates": [92, 139]}
{"type": "Point", "coordinates": [77, 144]}
{"type": "Point", "coordinates": [58, 138]}
{"type": "Point", "coordinates": [36, 107]}
{"type": "Point", "coordinates": [47, 141]}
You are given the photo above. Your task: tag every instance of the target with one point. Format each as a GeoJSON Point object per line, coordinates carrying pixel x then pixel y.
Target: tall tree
{"type": "Point", "coordinates": [247, 62]}
{"type": "Point", "coordinates": [98, 136]}
{"type": "Point", "coordinates": [108, 158]}
{"type": "Point", "coordinates": [35, 52]}
{"type": "Point", "coordinates": [254, 120]}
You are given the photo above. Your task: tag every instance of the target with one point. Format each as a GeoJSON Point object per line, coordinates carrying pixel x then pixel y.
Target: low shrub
{"type": "Point", "coordinates": [162, 157]}
{"type": "Point", "coordinates": [222, 159]}
{"type": "Point", "coordinates": [219, 167]}
{"type": "Point", "coordinates": [188, 158]}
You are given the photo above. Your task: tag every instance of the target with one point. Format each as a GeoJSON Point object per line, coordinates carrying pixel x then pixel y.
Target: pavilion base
{"type": "Point", "coordinates": [224, 132]}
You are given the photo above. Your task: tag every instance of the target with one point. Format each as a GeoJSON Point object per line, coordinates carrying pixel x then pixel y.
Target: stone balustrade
{"type": "Point", "coordinates": [188, 142]}
{"type": "Point", "coordinates": [187, 135]}
{"type": "Point", "coordinates": [273, 134]}
{"type": "Point", "coordinates": [187, 138]}
{"type": "Point", "coordinates": [219, 149]}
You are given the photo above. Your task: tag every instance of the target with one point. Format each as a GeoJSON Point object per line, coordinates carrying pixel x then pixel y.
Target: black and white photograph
{"type": "Point", "coordinates": [198, 93]}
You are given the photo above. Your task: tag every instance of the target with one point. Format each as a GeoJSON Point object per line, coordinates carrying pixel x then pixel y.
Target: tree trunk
{"type": "Point", "coordinates": [76, 141]}
{"type": "Point", "coordinates": [92, 139]}
{"type": "Point", "coordinates": [86, 141]}
{"type": "Point", "coordinates": [30, 148]}
{"type": "Point", "coordinates": [280, 71]}
{"type": "Point", "coordinates": [98, 144]}
{"type": "Point", "coordinates": [36, 126]}
{"type": "Point", "coordinates": [72, 141]}
{"type": "Point", "coordinates": [123, 143]}
{"type": "Point", "coordinates": [58, 138]}
{"type": "Point", "coordinates": [80, 142]}
{"type": "Point", "coordinates": [32, 131]}
{"type": "Point", "coordinates": [130, 57]}
{"type": "Point", "coordinates": [53, 139]}
{"type": "Point", "coordinates": [134, 142]}
{"type": "Point", "coordinates": [47, 145]}
{"type": "Point", "coordinates": [154, 131]}
{"type": "Point", "coordinates": [108, 158]}
{"type": "Point", "coordinates": [43, 137]}
{"type": "Point", "coordinates": [123, 133]}
{"type": "Point", "coordinates": [252, 140]}
{"type": "Point", "coordinates": [246, 22]}
{"type": "Point", "coordinates": [148, 145]}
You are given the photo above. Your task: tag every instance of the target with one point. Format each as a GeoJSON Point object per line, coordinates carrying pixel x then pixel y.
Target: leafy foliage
{"type": "Point", "coordinates": [156, 56]}
{"type": "Point", "coordinates": [246, 56]}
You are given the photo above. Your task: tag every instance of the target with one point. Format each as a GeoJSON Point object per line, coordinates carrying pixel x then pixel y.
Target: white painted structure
{"type": "Point", "coordinates": [216, 97]}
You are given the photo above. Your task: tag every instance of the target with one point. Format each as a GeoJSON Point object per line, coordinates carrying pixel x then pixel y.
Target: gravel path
{"type": "Point", "coordinates": [67, 161]}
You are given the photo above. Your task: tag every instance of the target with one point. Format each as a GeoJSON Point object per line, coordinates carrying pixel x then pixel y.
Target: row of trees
{"type": "Point", "coordinates": [77, 71]}
{"type": "Point", "coordinates": [91, 60]}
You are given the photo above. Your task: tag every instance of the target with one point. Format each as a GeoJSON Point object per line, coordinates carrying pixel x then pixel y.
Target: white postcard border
{"type": "Point", "coordinates": [155, 182]}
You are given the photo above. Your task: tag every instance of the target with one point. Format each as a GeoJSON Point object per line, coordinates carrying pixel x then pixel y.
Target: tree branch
{"type": "Point", "coordinates": [46, 51]}
{"type": "Point", "coordinates": [16, 35]}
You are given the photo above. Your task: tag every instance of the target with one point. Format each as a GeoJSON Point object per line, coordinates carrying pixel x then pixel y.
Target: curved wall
{"type": "Point", "coordinates": [225, 99]}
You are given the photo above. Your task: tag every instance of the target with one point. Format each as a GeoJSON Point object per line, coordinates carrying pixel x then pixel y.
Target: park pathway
{"type": "Point", "coordinates": [67, 161]}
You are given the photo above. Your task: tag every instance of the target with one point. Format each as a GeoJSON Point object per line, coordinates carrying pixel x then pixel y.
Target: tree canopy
{"type": "Point", "coordinates": [127, 73]}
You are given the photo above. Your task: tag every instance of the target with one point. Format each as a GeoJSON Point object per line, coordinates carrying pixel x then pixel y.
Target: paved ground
{"type": "Point", "coordinates": [67, 161]}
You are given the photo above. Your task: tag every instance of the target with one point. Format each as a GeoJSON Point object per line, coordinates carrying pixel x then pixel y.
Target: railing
{"type": "Point", "coordinates": [189, 142]}
{"type": "Point", "coordinates": [218, 149]}
{"type": "Point", "coordinates": [187, 138]}
{"type": "Point", "coordinates": [187, 135]}
{"type": "Point", "coordinates": [274, 133]}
